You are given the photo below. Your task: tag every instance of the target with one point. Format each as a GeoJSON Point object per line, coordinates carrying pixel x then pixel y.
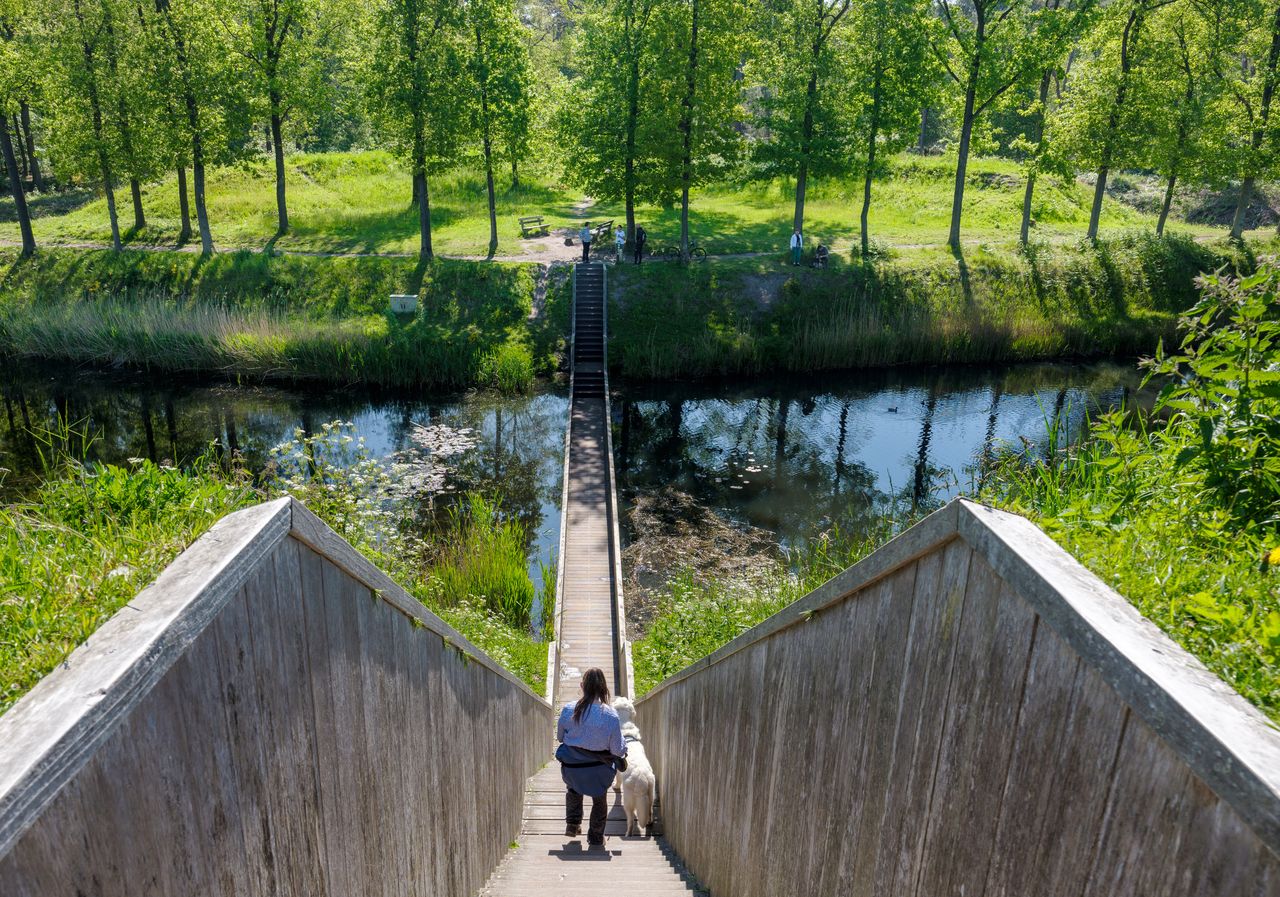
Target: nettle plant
{"type": "Point", "coordinates": [1224, 387]}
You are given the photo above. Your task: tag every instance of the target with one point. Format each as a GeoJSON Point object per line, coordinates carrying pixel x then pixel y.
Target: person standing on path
{"type": "Point", "coordinates": [641, 238]}
{"type": "Point", "coordinates": [620, 240]}
{"type": "Point", "coordinates": [591, 745]}
{"type": "Point", "coordinates": [797, 247]}
{"type": "Point", "coordinates": [585, 236]}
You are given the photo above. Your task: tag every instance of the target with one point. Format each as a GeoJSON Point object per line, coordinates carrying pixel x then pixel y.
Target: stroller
{"type": "Point", "coordinates": [820, 256]}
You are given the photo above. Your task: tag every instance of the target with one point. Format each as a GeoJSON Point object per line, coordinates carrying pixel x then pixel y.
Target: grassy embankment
{"type": "Point", "coordinates": [744, 316]}
{"type": "Point", "coordinates": [91, 537]}
{"type": "Point", "coordinates": [360, 202]}
{"type": "Point", "coordinates": [301, 317]}
{"type": "Point", "coordinates": [1180, 517]}
{"type": "Point", "coordinates": [294, 317]}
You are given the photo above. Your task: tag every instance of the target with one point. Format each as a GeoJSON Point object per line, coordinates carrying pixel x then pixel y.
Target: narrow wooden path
{"type": "Point", "coordinates": [591, 633]}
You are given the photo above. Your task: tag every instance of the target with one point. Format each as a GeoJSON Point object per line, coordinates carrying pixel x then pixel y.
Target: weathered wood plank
{"type": "Point", "coordinates": [306, 736]}
{"type": "Point", "coordinates": [56, 728]}
{"type": "Point", "coordinates": [971, 741]}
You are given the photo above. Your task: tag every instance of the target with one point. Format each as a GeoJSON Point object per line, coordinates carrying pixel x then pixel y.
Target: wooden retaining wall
{"type": "Point", "coordinates": [970, 712]}
{"type": "Point", "coordinates": [272, 716]}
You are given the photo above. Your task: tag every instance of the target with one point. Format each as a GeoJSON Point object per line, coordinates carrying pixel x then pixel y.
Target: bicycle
{"type": "Point", "coordinates": [696, 252]}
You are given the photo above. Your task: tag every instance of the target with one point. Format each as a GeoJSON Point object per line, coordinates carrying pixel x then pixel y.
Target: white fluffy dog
{"type": "Point", "coordinates": [637, 783]}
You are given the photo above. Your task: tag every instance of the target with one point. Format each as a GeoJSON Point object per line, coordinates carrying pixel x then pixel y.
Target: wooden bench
{"type": "Point", "coordinates": [533, 225]}
{"type": "Point", "coordinates": [602, 233]}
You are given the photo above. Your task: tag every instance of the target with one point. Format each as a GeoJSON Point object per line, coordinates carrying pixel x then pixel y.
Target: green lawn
{"type": "Point", "coordinates": [359, 202]}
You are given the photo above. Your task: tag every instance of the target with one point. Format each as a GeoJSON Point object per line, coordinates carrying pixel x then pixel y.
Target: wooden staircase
{"type": "Point", "coordinates": [545, 860]}
{"type": "Point", "coordinates": [588, 331]}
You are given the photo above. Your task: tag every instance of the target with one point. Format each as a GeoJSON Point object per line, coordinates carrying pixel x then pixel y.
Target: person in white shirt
{"type": "Point", "coordinates": [620, 240]}
{"type": "Point", "coordinates": [797, 247]}
{"type": "Point", "coordinates": [585, 236]}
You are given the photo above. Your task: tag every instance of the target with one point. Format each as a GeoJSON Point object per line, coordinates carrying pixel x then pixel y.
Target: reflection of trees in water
{"type": "Point", "coordinates": [517, 459]}
{"type": "Point", "coordinates": [796, 456]}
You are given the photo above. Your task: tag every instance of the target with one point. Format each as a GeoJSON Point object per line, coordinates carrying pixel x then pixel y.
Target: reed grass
{"type": "Point", "coordinates": [747, 316]}
{"type": "Point", "coordinates": [278, 317]}
{"type": "Point", "coordinates": [484, 557]}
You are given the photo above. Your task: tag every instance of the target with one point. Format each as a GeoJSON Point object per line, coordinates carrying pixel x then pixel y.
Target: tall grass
{"type": "Point", "coordinates": [91, 536]}
{"type": "Point", "coordinates": [265, 317]}
{"type": "Point", "coordinates": [735, 317]}
{"type": "Point", "coordinates": [484, 557]}
{"type": "Point", "coordinates": [85, 543]}
{"type": "Point", "coordinates": [696, 617]}
{"type": "Point", "coordinates": [1183, 519]}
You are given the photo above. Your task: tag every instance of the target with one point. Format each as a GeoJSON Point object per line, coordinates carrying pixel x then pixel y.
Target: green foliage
{"type": "Point", "coordinates": [85, 543]}
{"type": "Point", "coordinates": [92, 536]}
{"type": "Point", "coordinates": [483, 558]}
{"type": "Point", "coordinates": [472, 571]}
{"type": "Point", "coordinates": [696, 617]}
{"type": "Point", "coordinates": [275, 316]}
{"type": "Point", "coordinates": [609, 115]}
{"type": "Point", "coordinates": [1182, 519]}
{"type": "Point", "coordinates": [1224, 386]}
{"type": "Point", "coordinates": [806, 104]}
{"type": "Point", "coordinates": [1118, 297]}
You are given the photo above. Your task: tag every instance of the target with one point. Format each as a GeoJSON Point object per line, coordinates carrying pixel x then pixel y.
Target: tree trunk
{"type": "Point", "coordinates": [686, 129]}
{"type": "Point", "coordinates": [1242, 208]}
{"type": "Point", "coordinates": [1128, 42]}
{"type": "Point", "coordinates": [125, 129]}
{"type": "Point", "coordinates": [29, 142]}
{"type": "Point", "coordinates": [924, 124]}
{"type": "Point", "coordinates": [806, 140]}
{"type": "Point", "coordinates": [202, 212]}
{"type": "Point", "coordinates": [1168, 201]}
{"type": "Point", "coordinates": [23, 168]}
{"type": "Point", "coordinates": [424, 217]}
{"type": "Point", "coordinates": [282, 210]}
{"type": "Point", "coordinates": [184, 207]}
{"type": "Point", "coordinates": [962, 160]}
{"type": "Point", "coordinates": [1024, 233]}
{"type": "Point", "coordinates": [15, 187]}
{"type": "Point", "coordinates": [1099, 191]}
{"type": "Point", "coordinates": [1259, 133]}
{"type": "Point", "coordinates": [486, 144]}
{"type": "Point", "coordinates": [139, 217]}
{"type": "Point", "coordinates": [197, 141]}
{"type": "Point", "coordinates": [515, 172]}
{"type": "Point", "coordinates": [629, 163]}
{"type": "Point", "coordinates": [873, 133]}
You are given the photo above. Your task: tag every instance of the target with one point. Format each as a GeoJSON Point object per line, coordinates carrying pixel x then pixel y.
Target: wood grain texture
{"type": "Point", "coordinates": [949, 717]}
{"type": "Point", "coordinates": [287, 728]}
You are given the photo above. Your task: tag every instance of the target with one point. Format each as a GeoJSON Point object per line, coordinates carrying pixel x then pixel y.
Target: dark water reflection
{"type": "Point", "coordinates": [794, 455]}
{"type": "Point", "coordinates": [162, 417]}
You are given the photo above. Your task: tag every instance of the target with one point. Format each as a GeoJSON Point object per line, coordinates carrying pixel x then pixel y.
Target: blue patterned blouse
{"type": "Point", "coordinates": [598, 730]}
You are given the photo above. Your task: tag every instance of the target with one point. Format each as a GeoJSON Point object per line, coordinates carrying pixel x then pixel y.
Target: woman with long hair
{"type": "Point", "coordinates": [590, 747]}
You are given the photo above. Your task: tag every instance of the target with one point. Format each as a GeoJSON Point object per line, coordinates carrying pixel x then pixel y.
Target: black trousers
{"type": "Point", "coordinates": [639, 252]}
{"type": "Point", "coordinates": [599, 811]}
{"type": "Point", "coordinates": [586, 251]}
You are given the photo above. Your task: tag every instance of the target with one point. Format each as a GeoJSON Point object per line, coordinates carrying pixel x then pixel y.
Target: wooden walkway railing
{"type": "Point", "coordinates": [966, 711]}
{"type": "Point", "coordinates": [274, 716]}
{"type": "Point", "coordinates": [591, 630]}
{"type": "Point", "coordinates": [590, 621]}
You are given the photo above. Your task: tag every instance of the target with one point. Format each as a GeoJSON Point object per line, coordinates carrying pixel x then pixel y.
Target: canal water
{"type": "Point", "coordinates": [517, 455]}
{"type": "Point", "coordinates": [795, 455]}
{"type": "Point", "coordinates": [790, 456]}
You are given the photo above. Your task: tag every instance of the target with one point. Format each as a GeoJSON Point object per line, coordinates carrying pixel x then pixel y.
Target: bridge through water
{"type": "Point", "coordinates": [591, 632]}
{"type": "Point", "coordinates": [966, 711]}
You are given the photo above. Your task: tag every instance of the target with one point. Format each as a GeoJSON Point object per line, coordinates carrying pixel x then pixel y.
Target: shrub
{"type": "Point", "coordinates": [1181, 518]}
